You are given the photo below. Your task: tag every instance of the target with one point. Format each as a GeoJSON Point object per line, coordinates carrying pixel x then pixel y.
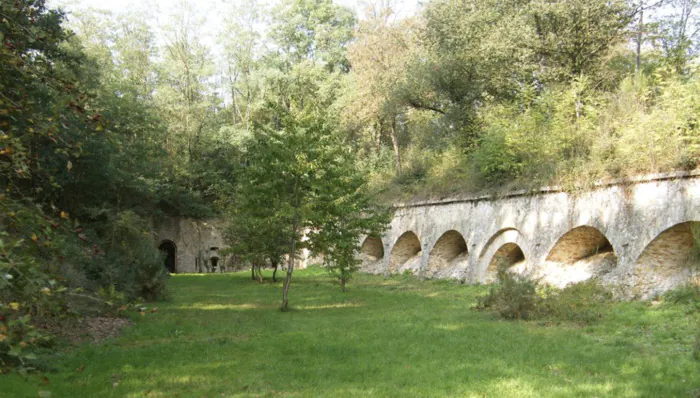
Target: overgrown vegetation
{"type": "Point", "coordinates": [519, 297]}
{"type": "Point", "coordinates": [396, 336]}
{"type": "Point", "coordinates": [301, 119]}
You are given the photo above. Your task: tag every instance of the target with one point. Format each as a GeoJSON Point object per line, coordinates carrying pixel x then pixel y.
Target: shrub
{"type": "Point", "coordinates": [514, 297]}
{"type": "Point", "coordinates": [131, 262]}
{"type": "Point", "coordinates": [686, 294]}
{"type": "Point", "coordinates": [582, 302]}
{"type": "Point", "coordinates": [519, 297]}
{"type": "Point", "coordinates": [19, 339]}
{"type": "Point", "coordinates": [696, 347]}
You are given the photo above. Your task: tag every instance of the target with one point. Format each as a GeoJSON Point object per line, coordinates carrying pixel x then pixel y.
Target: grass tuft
{"type": "Point", "coordinates": [223, 335]}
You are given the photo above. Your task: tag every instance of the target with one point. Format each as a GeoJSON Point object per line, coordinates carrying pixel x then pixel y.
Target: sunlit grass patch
{"type": "Point", "coordinates": [223, 335]}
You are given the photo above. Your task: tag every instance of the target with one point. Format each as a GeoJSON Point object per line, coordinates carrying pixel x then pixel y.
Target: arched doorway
{"type": "Point", "coordinates": [170, 250]}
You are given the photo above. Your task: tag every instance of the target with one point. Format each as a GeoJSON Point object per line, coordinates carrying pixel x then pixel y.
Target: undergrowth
{"type": "Point", "coordinates": [519, 297]}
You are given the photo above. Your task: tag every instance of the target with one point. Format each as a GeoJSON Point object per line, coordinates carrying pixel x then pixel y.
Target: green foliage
{"type": "Point", "coordinates": [131, 263]}
{"type": "Point", "coordinates": [20, 341]}
{"type": "Point", "coordinates": [314, 193]}
{"type": "Point", "coordinates": [582, 302]}
{"type": "Point", "coordinates": [317, 30]}
{"type": "Point", "coordinates": [515, 297]}
{"type": "Point", "coordinates": [519, 297]}
{"type": "Point", "coordinates": [688, 295]}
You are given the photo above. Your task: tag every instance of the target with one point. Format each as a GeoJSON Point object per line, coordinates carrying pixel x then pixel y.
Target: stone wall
{"type": "Point", "coordinates": [634, 234]}
{"type": "Point", "coordinates": [194, 240]}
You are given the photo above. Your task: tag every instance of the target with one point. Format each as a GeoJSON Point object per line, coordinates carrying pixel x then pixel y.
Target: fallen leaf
{"type": "Point", "coordinates": [45, 380]}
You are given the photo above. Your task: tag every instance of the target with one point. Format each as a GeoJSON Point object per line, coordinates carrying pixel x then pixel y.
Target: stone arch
{"type": "Point", "coordinates": [169, 249]}
{"type": "Point", "coordinates": [448, 252]}
{"type": "Point", "coordinates": [578, 244]}
{"type": "Point", "coordinates": [507, 256]}
{"type": "Point", "coordinates": [486, 267]}
{"type": "Point", "coordinates": [406, 253]}
{"type": "Point", "coordinates": [371, 252]}
{"type": "Point", "coordinates": [582, 253]}
{"type": "Point", "coordinates": [667, 260]}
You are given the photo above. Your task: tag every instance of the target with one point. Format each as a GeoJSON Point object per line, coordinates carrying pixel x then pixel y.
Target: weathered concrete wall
{"type": "Point", "coordinates": [192, 238]}
{"type": "Point", "coordinates": [634, 234]}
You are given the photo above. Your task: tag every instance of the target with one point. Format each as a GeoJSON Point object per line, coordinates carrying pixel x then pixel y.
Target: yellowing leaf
{"type": "Point", "coordinates": [34, 237]}
{"type": "Point", "coordinates": [14, 306]}
{"type": "Point", "coordinates": [64, 214]}
{"type": "Point", "coordinates": [69, 165]}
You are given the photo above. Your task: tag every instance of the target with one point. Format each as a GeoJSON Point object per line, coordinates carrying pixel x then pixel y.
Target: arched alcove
{"type": "Point", "coordinates": [667, 259]}
{"type": "Point", "coordinates": [169, 248]}
{"type": "Point", "coordinates": [508, 255]}
{"type": "Point", "coordinates": [447, 251]}
{"type": "Point", "coordinates": [579, 243]}
{"type": "Point", "coordinates": [407, 248]}
{"type": "Point", "coordinates": [372, 248]}
{"type": "Point", "coordinates": [580, 254]}
{"type": "Point", "coordinates": [371, 253]}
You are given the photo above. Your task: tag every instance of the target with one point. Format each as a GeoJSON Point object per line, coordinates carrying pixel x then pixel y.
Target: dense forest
{"type": "Point", "coordinates": [301, 116]}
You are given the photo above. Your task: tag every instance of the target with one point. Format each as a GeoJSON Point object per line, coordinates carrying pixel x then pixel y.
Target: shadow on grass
{"type": "Point", "coordinates": [224, 336]}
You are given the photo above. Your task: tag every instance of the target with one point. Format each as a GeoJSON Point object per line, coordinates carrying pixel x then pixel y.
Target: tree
{"type": "Point", "coordinates": [185, 96]}
{"type": "Point", "coordinates": [679, 32]}
{"type": "Point", "coordinates": [309, 186]}
{"type": "Point", "coordinates": [572, 38]}
{"type": "Point", "coordinates": [313, 30]}
{"type": "Point", "coordinates": [379, 59]}
{"type": "Point", "coordinates": [243, 52]}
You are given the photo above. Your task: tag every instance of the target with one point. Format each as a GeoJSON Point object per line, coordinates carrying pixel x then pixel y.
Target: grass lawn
{"type": "Point", "coordinates": [223, 335]}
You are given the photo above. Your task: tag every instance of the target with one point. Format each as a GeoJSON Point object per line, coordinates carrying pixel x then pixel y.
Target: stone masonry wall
{"type": "Point", "coordinates": [634, 234]}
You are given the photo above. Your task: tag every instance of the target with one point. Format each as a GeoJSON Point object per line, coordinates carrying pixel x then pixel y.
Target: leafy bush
{"type": "Point", "coordinates": [582, 302]}
{"type": "Point", "coordinates": [696, 347]}
{"type": "Point", "coordinates": [514, 297]}
{"type": "Point", "coordinates": [519, 297]}
{"type": "Point", "coordinates": [19, 339]}
{"type": "Point", "coordinates": [131, 263]}
{"type": "Point", "coordinates": [686, 294]}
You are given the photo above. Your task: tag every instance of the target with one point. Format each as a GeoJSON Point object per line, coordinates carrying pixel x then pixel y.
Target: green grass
{"type": "Point", "coordinates": [223, 335]}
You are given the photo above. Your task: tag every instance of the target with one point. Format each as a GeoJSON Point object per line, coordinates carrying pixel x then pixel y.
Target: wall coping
{"type": "Point", "coordinates": [674, 175]}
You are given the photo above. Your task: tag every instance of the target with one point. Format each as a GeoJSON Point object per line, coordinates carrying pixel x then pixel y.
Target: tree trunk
{"type": "Point", "coordinates": [274, 271]}
{"type": "Point", "coordinates": [640, 37]}
{"type": "Point", "coordinates": [378, 137]}
{"type": "Point", "coordinates": [290, 269]}
{"type": "Point", "coordinates": [252, 271]}
{"type": "Point", "coordinates": [342, 284]}
{"type": "Point", "coordinates": [395, 142]}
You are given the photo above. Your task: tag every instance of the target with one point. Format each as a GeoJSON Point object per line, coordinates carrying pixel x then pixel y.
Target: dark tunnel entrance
{"type": "Point", "coordinates": [170, 250]}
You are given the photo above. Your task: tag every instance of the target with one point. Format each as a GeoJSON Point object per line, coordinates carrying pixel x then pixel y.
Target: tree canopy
{"type": "Point", "coordinates": [299, 120]}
